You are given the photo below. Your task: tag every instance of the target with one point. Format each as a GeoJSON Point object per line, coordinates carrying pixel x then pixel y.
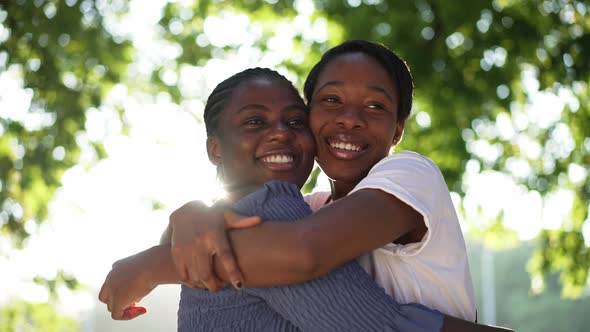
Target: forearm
{"type": "Point", "coordinates": [270, 254]}
{"type": "Point", "coordinates": [355, 225]}
{"type": "Point", "coordinates": [161, 269]}
{"type": "Point", "coordinates": [284, 253]}
{"type": "Point", "coordinates": [134, 277]}
{"type": "Point", "coordinates": [346, 299]}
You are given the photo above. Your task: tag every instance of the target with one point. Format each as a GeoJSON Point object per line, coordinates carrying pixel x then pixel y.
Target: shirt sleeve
{"type": "Point", "coordinates": [416, 181]}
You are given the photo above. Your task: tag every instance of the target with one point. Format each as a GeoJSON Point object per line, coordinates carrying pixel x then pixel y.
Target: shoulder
{"type": "Point", "coordinates": [405, 160]}
{"type": "Point", "coordinates": [406, 168]}
{"type": "Point", "coordinates": [412, 178]}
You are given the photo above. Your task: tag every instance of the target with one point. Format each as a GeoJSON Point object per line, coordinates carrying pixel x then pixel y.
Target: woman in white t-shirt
{"type": "Point", "coordinates": [395, 212]}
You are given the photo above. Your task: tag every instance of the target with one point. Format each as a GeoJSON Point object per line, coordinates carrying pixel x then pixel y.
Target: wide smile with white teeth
{"type": "Point", "coordinates": [278, 159]}
{"type": "Point", "coordinates": [346, 146]}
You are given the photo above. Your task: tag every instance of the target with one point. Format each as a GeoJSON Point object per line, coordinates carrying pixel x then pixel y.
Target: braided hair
{"type": "Point", "coordinates": [224, 90]}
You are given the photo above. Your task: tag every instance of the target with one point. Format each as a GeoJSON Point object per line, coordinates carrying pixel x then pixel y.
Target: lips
{"type": "Point", "coordinates": [278, 161]}
{"type": "Point", "coordinates": [345, 147]}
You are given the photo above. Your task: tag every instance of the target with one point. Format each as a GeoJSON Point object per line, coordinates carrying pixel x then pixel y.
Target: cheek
{"type": "Point", "coordinates": [316, 121]}
{"type": "Point", "coordinates": [238, 149]}
{"type": "Point", "coordinates": [385, 136]}
{"type": "Point", "coordinates": [308, 146]}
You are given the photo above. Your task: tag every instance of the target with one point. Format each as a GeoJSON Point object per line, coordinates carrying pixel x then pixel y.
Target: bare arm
{"type": "Point", "coordinates": [134, 277]}
{"type": "Point", "coordinates": [452, 324]}
{"type": "Point", "coordinates": [284, 253]}
{"type": "Point", "coordinates": [288, 237]}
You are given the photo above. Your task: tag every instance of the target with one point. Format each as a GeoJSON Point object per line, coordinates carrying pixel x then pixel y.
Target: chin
{"type": "Point", "coordinates": [345, 177]}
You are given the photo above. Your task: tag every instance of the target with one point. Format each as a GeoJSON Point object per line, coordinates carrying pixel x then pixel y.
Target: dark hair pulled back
{"type": "Point", "coordinates": [395, 67]}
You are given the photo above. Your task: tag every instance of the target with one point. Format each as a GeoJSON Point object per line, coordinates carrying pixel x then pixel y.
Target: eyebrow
{"type": "Point", "coordinates": [253, 106]}
{"type": "Point", "coordinates": [266, 109]}
{"type": "Point", "coordinates": [371, 87]}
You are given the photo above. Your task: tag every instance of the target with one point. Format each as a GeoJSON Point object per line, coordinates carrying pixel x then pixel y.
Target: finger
{"type": "Point", "coordinates": [235, 220]}
{"type": "Point", "coordinates": [192, 264]}
{"type": "Point", "coordinates": [206, 273]}
{"type": "Point", "coordinates": [133, 312]}
{"type": "Point", "coordinates": [117, 312]}
{"type": "Point", "coordinates": [117, 315]}
{"type": "Point", "coordinates": [119, 308]}
{"type": "Point", "coordinates": [202, 270]}
{"type": "Point", "coordinates": [196, 285]}
{"type": "Point", "coordinates": [219, 283]}
{"type": "Point", "coordinates": [226, 256]}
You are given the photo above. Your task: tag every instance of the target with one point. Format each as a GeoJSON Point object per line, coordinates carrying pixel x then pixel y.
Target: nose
{"type": "Point", "coordinates": [280, 132]}
{"type": "Point", "coordinates": [351, 117]}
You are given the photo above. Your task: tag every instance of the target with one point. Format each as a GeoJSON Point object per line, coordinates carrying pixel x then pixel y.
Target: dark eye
{"type": "Point", "coordinates": [253, 122]}
{"type": "Point", "coordinates": [297, 123]}
{"type": "Point", "coordinates": [376, 106]}
{"type": "Point", "coordinates": [331, 99]}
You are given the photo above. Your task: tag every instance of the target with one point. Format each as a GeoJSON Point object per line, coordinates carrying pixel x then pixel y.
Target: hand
{"type": "Point", "coordinates": [199, 235]}
{"type": "Point", "coordinates": [125, 285]}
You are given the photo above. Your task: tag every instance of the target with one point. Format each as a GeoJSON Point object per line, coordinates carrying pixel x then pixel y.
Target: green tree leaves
{"type": "Point", "coordinates": [67, 61]}
{"type": "Point", "coordinates": [480, 69]}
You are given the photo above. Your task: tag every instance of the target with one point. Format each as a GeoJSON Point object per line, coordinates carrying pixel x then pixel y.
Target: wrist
{"type": "Point", "coordinates": [160, 269]}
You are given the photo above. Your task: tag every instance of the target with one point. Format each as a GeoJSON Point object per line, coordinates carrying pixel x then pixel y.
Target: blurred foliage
{"type": "Point", "coordinates": [34, 317]}
{"type": "Point", "coordinates": [516, 305]}
{"type": "Point", "coordinates": [495, 236]}
{"type": "Point", "coordinates": [61, 278]}
{"type": "Point", "coordinates": [473, 63]}
{"type": "Point", "coordinates": [67, 62]}
{"type": "Point", "coordinates": [477, 66]}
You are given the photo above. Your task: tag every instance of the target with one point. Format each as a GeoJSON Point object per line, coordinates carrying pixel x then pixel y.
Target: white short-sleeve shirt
{"type": "Point", "coordinates": [435, 271]}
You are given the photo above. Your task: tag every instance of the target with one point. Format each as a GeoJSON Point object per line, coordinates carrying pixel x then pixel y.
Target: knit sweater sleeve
{"type": "Point", "coordinates": [347, 299]}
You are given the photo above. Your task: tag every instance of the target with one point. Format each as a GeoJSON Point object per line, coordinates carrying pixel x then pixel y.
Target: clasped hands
{"type": "Point", "coordinates": [196, 237]}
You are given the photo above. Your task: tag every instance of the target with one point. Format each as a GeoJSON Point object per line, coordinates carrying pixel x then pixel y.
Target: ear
{"type": "Point", "coordinates": [399, 132]}
{"type": "Point", "coordinates": [214, 150]}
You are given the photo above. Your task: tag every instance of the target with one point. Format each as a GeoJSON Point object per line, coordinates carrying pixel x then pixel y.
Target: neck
{"type": "Point", "coordinates": [340, 189]}
{"type": "Point", "coordinates": [234, 194]}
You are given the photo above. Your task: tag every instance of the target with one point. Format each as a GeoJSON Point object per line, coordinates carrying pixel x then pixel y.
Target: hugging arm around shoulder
{"type": "Point", "coordinates": [346, 299]}
{"type": "Point", "coordinates": [400, 193]}
{"type": "Point", "coordinates": [277, 253]}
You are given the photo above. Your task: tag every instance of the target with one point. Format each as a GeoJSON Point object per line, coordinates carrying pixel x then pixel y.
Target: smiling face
{"type": "Point", "coordinates": [353, 118]}
{"type": "Point", "coordinates": [263, 135]}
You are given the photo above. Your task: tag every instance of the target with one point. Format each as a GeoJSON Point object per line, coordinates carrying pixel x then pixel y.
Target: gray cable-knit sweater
{"type": "Point", "coordinates": [346, 299]}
